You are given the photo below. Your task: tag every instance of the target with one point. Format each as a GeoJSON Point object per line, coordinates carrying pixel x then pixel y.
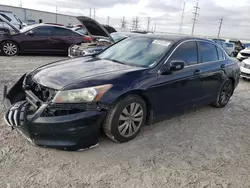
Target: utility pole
{"type": "Point", "coordinates": [90, 11]}
{"type": "Point", "coordinates": [182, 17]}
{"type": "Point", "coordinates": [56, 13]}
{"type": "Point", "coordinates": [148, 24]}
{"type": "Point", "coordinates": [94, 13]}
{"type": "Point", "coordinates": [196, 9]}
{"type": "Point", "coordinates": [135, 23]}
{"type": "Point", "coordinates": [155, 28]}
{"type": "Point", "coordinates": [108, 20]}
{"type": "Point", "coordinates": [21, 3]}
{"type": "Point", "coordinates": [221, 20]}
{"type": "Point", "coordinates": [123, 23]}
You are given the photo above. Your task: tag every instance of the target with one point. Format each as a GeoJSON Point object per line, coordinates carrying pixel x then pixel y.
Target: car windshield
{"type": "Point", "coordinates": [27, 28]}
{"type": "Point", "coordinates": [140, 51]}
{"type": "Point", "coordinates": [118, 36]}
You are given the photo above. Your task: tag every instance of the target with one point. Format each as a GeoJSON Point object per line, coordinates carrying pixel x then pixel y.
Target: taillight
{"type": "Point", "coordinates": [88, 39]}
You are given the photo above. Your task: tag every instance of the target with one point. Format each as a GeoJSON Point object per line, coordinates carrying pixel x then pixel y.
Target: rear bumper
{"type": "Point", "coordinates": [70, 132]}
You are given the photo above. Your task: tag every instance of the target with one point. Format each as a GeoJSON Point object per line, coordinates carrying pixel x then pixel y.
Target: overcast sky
{"type": "Point", "coordinates": [166, 14]}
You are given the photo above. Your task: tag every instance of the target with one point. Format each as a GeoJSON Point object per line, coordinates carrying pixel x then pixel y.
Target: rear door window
{"type": "Point", "coordinates": [61, 32]}
{"type": "Point", "coordinates": [208, 52]}
{"type": "Point", "coordinates": [221, 54]}
{"type": "Point", "coordinates": [43, 31]}
{"type": "Point", "coordinates": [186, 52]}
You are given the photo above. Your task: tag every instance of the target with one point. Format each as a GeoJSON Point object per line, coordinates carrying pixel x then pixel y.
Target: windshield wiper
{"type": "Point", "coordinates": [116, 61]}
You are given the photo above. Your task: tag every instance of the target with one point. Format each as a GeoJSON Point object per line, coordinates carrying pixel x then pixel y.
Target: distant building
{"type": "Point", "coordinates": [25, 14]}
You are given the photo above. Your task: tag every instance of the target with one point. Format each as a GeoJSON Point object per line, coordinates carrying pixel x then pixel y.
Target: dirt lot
{"type": "Point", "coordinates": [205, 148]}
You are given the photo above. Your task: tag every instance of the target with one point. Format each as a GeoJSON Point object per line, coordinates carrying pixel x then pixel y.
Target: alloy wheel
{"type": "Point", "coordinates": [10, 48]}
{"type": "Point", "coordinates": [130, 119]}
{"type": "Point", "coordinates": [226, 93]}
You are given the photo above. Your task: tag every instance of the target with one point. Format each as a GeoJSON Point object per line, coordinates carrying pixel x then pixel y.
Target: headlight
{"type": "Point", "coordinates": [81, 95]}
{"type": "Point", "coordinates": [242, 64]}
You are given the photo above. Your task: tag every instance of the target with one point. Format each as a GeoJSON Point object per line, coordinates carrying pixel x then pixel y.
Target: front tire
{"type": "Point", "coordinates": [9, 48]}
{"type": "Point", "coordinates": [125, 119]}
{"type": "Point", "coordinates": [224, 95]}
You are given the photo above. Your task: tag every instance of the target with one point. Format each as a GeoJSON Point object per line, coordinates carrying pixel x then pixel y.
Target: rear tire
{"type": "Point", "coordinates": [125, 119]}
{"type": "Point", "coordinates": [224, 95]}
{"type": "Point", "coordinates": [9, 48]}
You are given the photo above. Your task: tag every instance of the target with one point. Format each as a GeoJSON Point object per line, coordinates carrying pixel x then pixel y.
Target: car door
{"type": "Point", "coordinates": [180, 89]}
{"type": "Point", "coordinates": [61, 39]}
{"type": "Point", "coordinates": [37, 39]}
{"type": "Point", "coordinates": [212, 60]}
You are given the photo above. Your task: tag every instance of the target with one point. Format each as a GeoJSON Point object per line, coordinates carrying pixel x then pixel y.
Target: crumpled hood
{"type": "Point", "coordinates": [60, 74]}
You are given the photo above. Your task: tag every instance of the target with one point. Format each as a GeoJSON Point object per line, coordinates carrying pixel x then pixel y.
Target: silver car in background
{"type": "Point", "coordinates": [230, 47]}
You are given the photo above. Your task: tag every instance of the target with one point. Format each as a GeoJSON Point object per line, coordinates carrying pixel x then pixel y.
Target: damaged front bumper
{"type": "Point", "coordinates": [73, 131]}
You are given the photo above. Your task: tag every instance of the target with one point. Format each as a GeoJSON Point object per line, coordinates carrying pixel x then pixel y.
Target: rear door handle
{"type": "Point", "coordinates": [196, 72]}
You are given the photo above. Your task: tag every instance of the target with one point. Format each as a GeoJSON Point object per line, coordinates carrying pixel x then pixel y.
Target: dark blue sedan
{"type": "Point", "coordinates": [137, 81]}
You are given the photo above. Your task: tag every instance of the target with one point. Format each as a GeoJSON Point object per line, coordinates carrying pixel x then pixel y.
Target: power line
{"type": "Point", "coordinates": [182, 17]}
{"type": "Point", "coordinates": [221, 20]}
{"type": "Point", "coordinates": [196, 9]}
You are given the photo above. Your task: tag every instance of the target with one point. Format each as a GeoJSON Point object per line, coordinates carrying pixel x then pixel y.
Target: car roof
{"type": "Point", "coordinates": [172, 38]}
{"type": "Point", "coordinates": [125, 33]}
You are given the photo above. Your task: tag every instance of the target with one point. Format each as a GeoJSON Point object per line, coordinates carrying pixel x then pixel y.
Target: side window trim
{"type": "Point", "coordinates": [195, 40]}
{"type": "Point", "coordinates": [216, 46]}
{"type": "Point", "coordinates": [36, 28]}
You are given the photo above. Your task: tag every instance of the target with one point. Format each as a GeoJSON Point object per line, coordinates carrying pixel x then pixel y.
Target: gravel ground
{"type": "Point", "coordinates": [205, 148]}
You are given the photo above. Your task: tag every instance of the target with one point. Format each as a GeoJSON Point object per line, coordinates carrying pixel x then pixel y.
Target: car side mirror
{"type": "Point", "coordinates": [31, 33]}
{"type": "Point", "coordinates": [176, 65]}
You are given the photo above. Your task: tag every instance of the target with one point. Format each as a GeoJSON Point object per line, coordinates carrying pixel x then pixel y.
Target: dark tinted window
{"type": "Point", "coordinates": [186, 52]}
{"type": "Point", "coordinates": [58, 31]}
{"type": "Point", "coordinates": [208, 52]}
{"type": "Point", "coordinates": [220, 54]}
{"type": "Point", "coordinates": [43, 31]}
{"type": "Point", "coordinates": [6, 17]}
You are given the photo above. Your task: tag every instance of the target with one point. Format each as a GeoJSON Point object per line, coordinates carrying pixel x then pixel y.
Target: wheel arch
{"type": "Point", "coordinates": [142, 94]}
{"type": "Point", "coordinates": [10, 40]}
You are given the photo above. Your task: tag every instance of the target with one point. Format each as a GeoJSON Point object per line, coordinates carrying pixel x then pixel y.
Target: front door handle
{"type": "Point", "coordinates": [197, 72]}
{"type": "Point", "coordinates": [223, 66]}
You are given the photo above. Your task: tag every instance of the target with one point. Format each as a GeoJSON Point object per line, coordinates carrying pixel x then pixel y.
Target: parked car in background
{"type": "Point", "coordinates": [109, 28]}
{"type": "Point", "coordinates": [243, 54]}
{"type": "Point", "coordinates": [80, 30]}
{"type": "Point", "coordinates": [230, 48]}
{"type": "Point", "coordinates": [222, 43]}
{"type": "Point", "coordinates": [238, 46]}
{"type": "Point", "coordinates": [139, 80]}
{"type": "Point", "coordinates": [245, 69]}
{"type": "Point", "coordinates": [30, 22]}
{"type": "Point", "coordinates": [246, 45]}
{"type": "Point", "coordinates": [11, 17]}
{"type": "Point", "coordinates": [95, 47]}
{"type": "Point", "coordinates": [99, 38]}
{"type": "Point", "coordinates": [39, 38]}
